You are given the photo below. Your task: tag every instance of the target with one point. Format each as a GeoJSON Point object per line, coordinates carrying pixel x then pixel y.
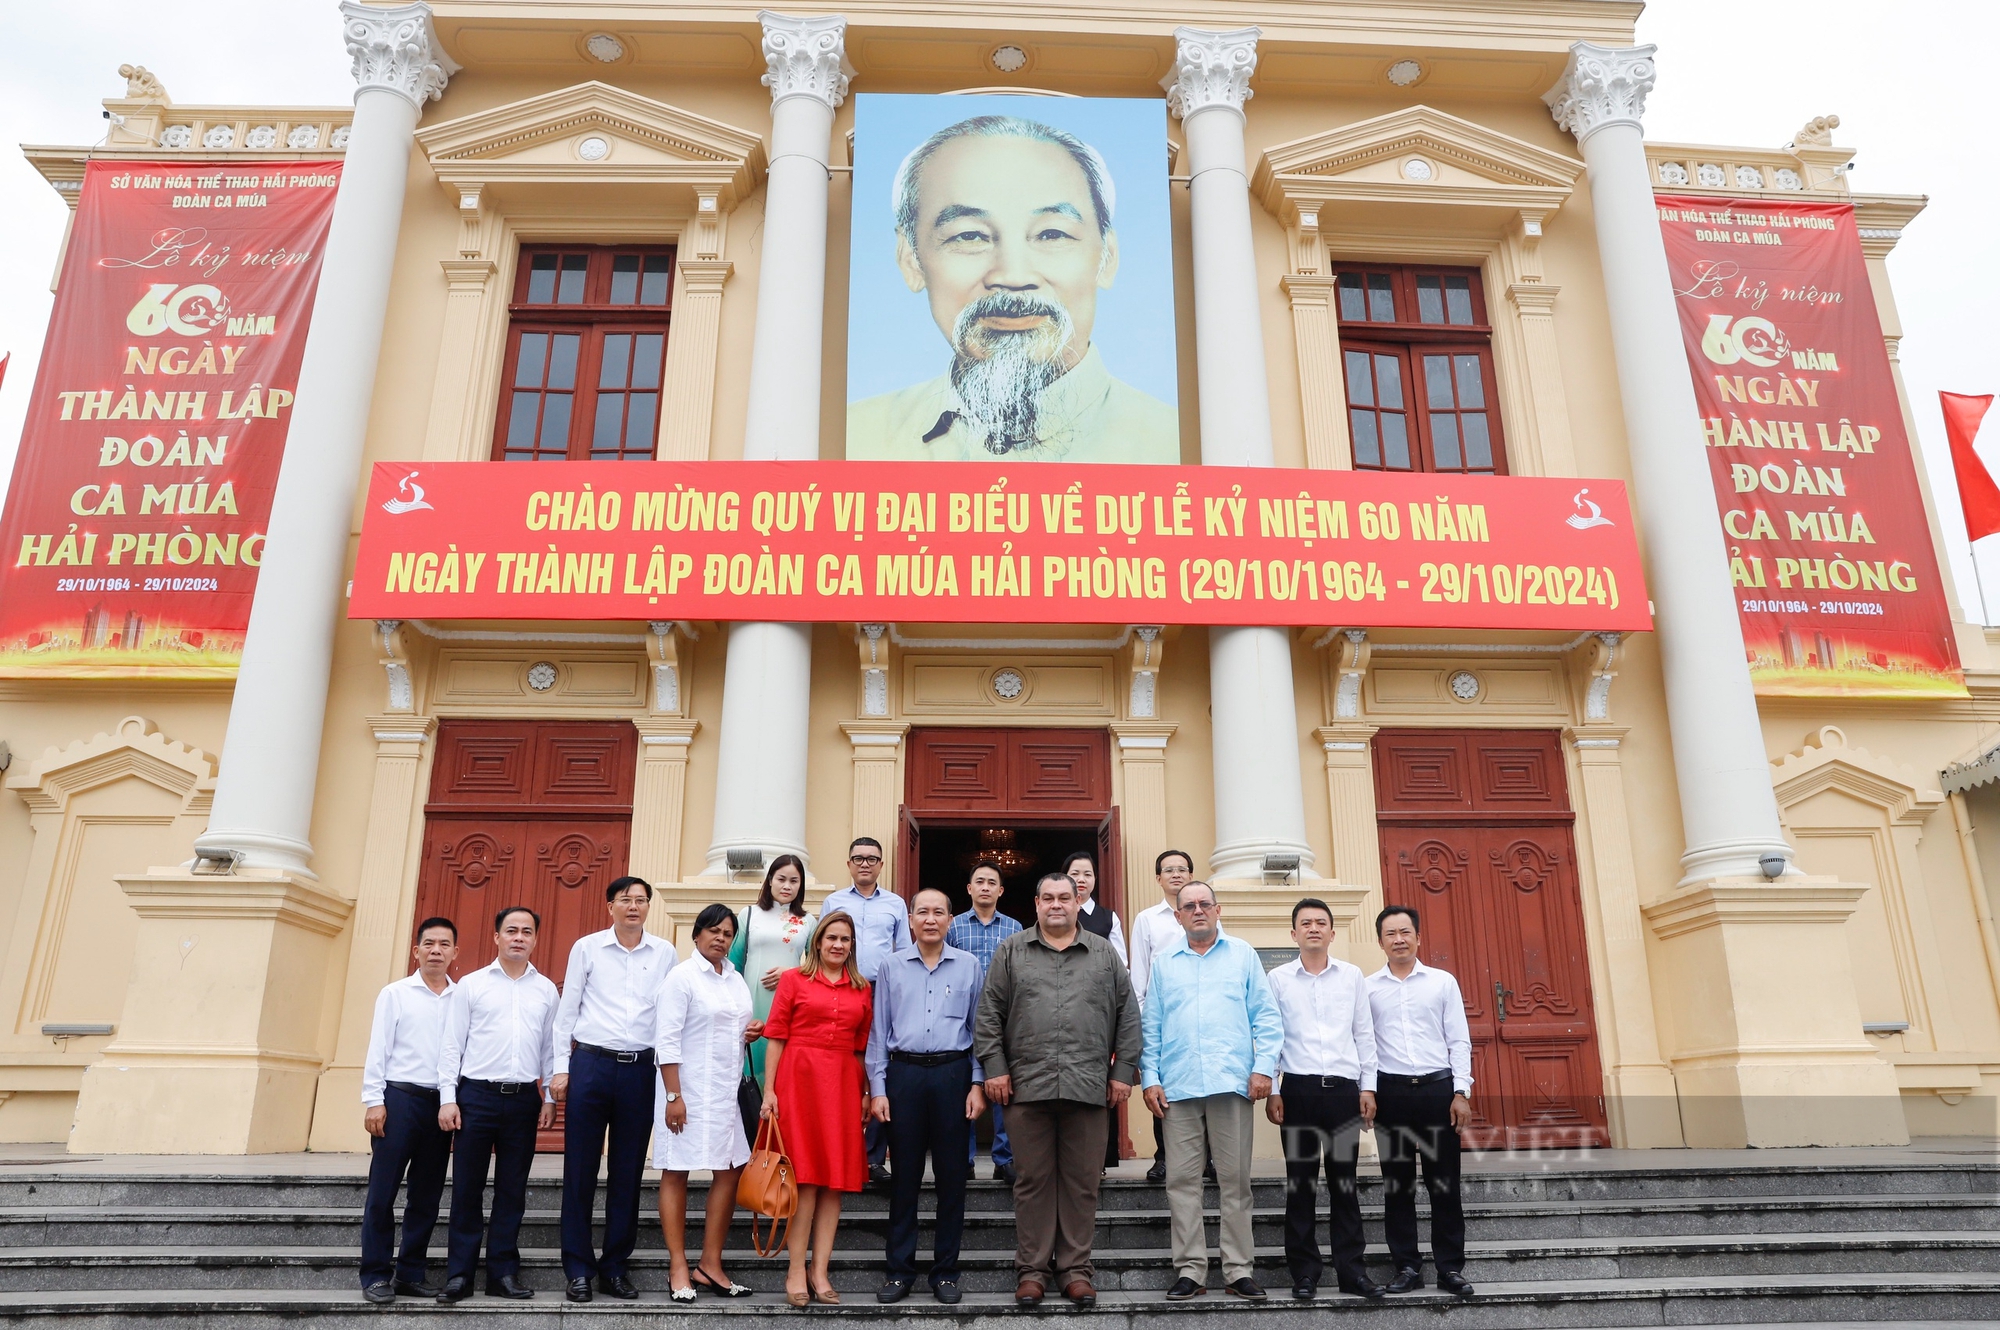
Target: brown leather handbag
{"type": "Point", "coordinates": [768, 1187]}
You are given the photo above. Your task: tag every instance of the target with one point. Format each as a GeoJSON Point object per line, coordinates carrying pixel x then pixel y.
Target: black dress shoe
{"type": "Point", "coordinates": [1304, 1289]}
{"type": "Point", "coordinates": [577, 1291]}
{"type": "Point", "coordinates": [1247, 1287]}
{"type": "Point", "coordinates": [1185, 1288]}
{"type": "Point", "coordinates": [893, 1290]}
{"type": "Point", "coordinates": [1367, 1288]}
{"type": "Point", "coordinates": [1451, 1281]}
{"type": "Point", "coordinates": [616, 1286]}
{"type": "Point", "coordinates": [416, 1288]}
{"type": "Point", "coordinates": [1407, 1281]}
{"type": "Point", "coordinates": [1004, 1173]}
{"type": "Point", "coordinates": [507, 1286]}
{"type": "Point", "coordinates": [455, 1290]}
{"type": "Point", "coordinates": [946, 1291]}
{"type": "Point", "coordinates": [879, 1174]}
{"type": "Point", "coordinates": [1158, 1172]}
{"type": "Point", "coordinates": [382, 1292]}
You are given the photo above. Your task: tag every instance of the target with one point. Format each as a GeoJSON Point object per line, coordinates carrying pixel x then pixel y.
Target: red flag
{"type": "Point", "coordinates": [1977, 493]}
{"type": "Point", "coordinates": [3, 366]}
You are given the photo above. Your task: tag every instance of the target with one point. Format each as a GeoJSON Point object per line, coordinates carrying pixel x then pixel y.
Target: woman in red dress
{"type": "Point", "coordinates": [815, 1036]}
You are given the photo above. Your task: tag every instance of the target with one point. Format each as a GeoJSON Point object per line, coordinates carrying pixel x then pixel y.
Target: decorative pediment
{"type": "Point", "coordinates": [1417, 157]}
{"type": "Point", "coordinates": [1828, 761]}
{"type": "Point", "coordinates": [132, 748]}
{"type": "Point", "coordinates": [594, 134]}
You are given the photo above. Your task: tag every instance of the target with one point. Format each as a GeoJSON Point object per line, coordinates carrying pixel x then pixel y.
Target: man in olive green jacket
{"type": "Point", "coordinates": [1058, 1039]}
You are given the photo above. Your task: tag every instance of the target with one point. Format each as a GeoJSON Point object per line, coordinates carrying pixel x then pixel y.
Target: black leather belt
{"type": "Point", "coordinates": [411, 1087]}
{"type": "Point", "coordinates": [644, 1055]}
{"type": "Point", "coordinates": [1428, 1078]}
{"type": "Point", "coordinates": [931, 1059]}
{"type": "Point", "coordinates": [1294, 1080]}
{"type": "Point", "coordinates": [499, 1087]}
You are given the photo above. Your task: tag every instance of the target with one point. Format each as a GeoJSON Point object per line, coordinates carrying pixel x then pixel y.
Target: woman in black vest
{"type": "Point", "coordinates": [1102, 920]}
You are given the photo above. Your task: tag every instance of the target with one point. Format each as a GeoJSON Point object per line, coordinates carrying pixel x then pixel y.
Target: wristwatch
{"type": "Point", "coordinates": [673, 1096]}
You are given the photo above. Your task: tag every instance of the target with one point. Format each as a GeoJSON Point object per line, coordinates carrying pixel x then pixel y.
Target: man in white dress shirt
{"type": "Point", "coordinates": [1423, 1087]}
{"type": "Point", "coordinates": [497, 1058]}
{"type": "Point", "coordinates": [399, 1101]}
{"type": "Point", "coordinates": [604, 1075]}
{"type": "Point", "coordinates": [881, 929]}
{"type": "Point", "coordinates": [1325, 1098]}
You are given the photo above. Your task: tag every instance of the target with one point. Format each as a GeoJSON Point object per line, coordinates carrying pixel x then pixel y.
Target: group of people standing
{"type": "Point", "coordinates": [874, 1036]}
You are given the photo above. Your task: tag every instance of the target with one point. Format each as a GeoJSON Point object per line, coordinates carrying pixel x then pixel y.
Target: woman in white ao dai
{"type": "Point", "coordinates": [702, 1027]}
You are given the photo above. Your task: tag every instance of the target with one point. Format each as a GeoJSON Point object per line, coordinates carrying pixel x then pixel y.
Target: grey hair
{"type": "Point", "coordinates": [903, 193]}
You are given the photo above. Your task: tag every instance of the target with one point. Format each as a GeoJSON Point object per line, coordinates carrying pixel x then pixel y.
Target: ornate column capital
{"type": "Point", "coordinates": [396, 49]}
{"type": "Point", "coordinates": [1211, 69]}
{"type": "Point", "coordinates": [806, 57]}
{"type": "Point", "coordinates": [1602, 85]}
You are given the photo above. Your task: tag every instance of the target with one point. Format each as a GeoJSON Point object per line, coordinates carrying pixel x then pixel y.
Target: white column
{"type": "Point", "coordinates": [1728, 812]}
{"type": "Point", "coordinates": [270, 760]}
{"type": "Point", "coordinates": [760, 779]}
{"type": "Point", "coordinates": [1260, 805]}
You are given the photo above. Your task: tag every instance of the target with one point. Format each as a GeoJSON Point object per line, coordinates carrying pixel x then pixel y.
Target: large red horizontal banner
{"type": "Point", "coordinates": [1837, 585]}
{"type": "Point", "coordinates": [135, 523]}
{"type": "Point", "coordinates": [977, 543]}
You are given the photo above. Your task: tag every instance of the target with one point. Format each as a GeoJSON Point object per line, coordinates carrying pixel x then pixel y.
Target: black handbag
{"type": "Point", "coordinates": [749, 1098]}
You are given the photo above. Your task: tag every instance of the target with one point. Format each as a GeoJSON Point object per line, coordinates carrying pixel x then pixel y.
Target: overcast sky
{"type": "Point", "coordinates": [1907, 92]}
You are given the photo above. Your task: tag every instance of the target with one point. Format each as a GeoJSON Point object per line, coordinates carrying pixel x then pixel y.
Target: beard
{"type": "Point", "coordinates": [1000, 375]}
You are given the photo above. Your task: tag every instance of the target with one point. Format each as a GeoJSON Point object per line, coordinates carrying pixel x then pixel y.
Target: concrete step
{"type": "Point", "coordinates": [102, 1226]}
{"type": "Point", "coordinates": [1512, 1182]}
{"type": "Point", "coordinates": [51, 1269]}
{"type": "Point", "coordinates": [1770, 1299]}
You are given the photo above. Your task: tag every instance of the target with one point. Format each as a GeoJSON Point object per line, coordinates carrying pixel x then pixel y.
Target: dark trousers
{"type": "Point", "coordinates": [604, 1095]}
{"type": "Point", "coordinates": [1058, 1166]}
{"type": "Point", "coordinates": [411, 1142]}
{"type": "Point", "coordinates": [492, 1127]}
{"type": "Point", "coordinates": [927, 1116]}
{"type": "Point", "coordinates": [875, 1140]}
{"type": "Point", "coordinates": [1322, 1129]}
{"type": "Point", "coordinates": [1413, 1122]}
{"type": "Point", "coordinates": [1003, 1153]}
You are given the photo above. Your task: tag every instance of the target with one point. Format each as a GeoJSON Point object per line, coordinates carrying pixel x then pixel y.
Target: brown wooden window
{"type": "Point", "coordinates": [1417, 355]}
{"type": "Point", "coordinates": [585, 354]}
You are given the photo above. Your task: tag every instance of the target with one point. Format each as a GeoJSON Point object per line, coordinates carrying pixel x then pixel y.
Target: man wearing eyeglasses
{"type": "Point", "coordinates": [881, 929]}
{"type": "Point", "coordinates": [1212, 1033]}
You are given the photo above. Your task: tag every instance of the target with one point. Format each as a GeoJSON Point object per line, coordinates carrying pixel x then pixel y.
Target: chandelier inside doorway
{"type": "Point", "coordinates": [998, 846]}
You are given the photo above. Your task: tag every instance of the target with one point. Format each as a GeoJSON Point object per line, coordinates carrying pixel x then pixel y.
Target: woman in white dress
{"type": "Point", "coordinates": [703, 1024]}
{"type": "Point", "coordinates": [771, 938]}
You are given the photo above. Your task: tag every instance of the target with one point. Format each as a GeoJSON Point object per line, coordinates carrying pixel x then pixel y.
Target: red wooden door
{"type": "Point", "coordinates": [534, 813]}
{"type": "Point", "coordinates": [1477, 835]}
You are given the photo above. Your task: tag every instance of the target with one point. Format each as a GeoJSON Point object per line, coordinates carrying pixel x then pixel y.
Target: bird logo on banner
{"type": "Point", "coordinates": [414, 500]}
{"type": "Point", "coordinates": [1587, 514]}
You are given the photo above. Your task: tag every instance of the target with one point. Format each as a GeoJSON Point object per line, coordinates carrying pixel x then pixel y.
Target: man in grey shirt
{"type": "Point", "coordinates": [1058, 1039]}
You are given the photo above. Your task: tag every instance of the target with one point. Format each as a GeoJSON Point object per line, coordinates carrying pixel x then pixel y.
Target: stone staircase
{"type": "Point", "coordinates": [1903, 1237]}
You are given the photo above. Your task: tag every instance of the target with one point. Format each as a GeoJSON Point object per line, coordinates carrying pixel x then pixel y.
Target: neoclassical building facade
{"type": "Point", "coordinates": [1682, 913]}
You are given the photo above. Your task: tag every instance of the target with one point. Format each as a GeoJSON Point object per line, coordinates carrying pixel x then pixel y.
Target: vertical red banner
{"type": "Point", "coordinates": [1830, 548]}
{"type": "Point", "coordinates": [136, 518]}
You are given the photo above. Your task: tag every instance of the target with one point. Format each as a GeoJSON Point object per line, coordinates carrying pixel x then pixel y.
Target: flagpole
{"type": "Point", "coordinates": [1985, 615]}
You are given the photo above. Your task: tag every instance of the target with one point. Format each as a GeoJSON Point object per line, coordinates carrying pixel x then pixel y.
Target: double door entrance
{"type": "Point", "coordinates": [1021, 800]}
{"type": "Point", "coordinates": [1477, 834]}
{"type": "Point", "coordinates": [534, 813]}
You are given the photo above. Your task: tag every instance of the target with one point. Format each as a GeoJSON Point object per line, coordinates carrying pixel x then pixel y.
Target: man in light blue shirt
{"type": "Point", "coordinates": [1212, 1037]}
{"type": "Point", "coordinates": [881, 929]}
{"type": "Point", "coordinates": [925, 1087]}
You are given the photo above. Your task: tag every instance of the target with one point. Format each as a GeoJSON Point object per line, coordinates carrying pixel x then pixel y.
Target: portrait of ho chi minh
{"type": "Point", "coordinates": [1005, 225]}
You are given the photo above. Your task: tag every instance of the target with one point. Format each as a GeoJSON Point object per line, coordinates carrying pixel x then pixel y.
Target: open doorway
{"type": "Point", "coordinates": [946, 856]}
